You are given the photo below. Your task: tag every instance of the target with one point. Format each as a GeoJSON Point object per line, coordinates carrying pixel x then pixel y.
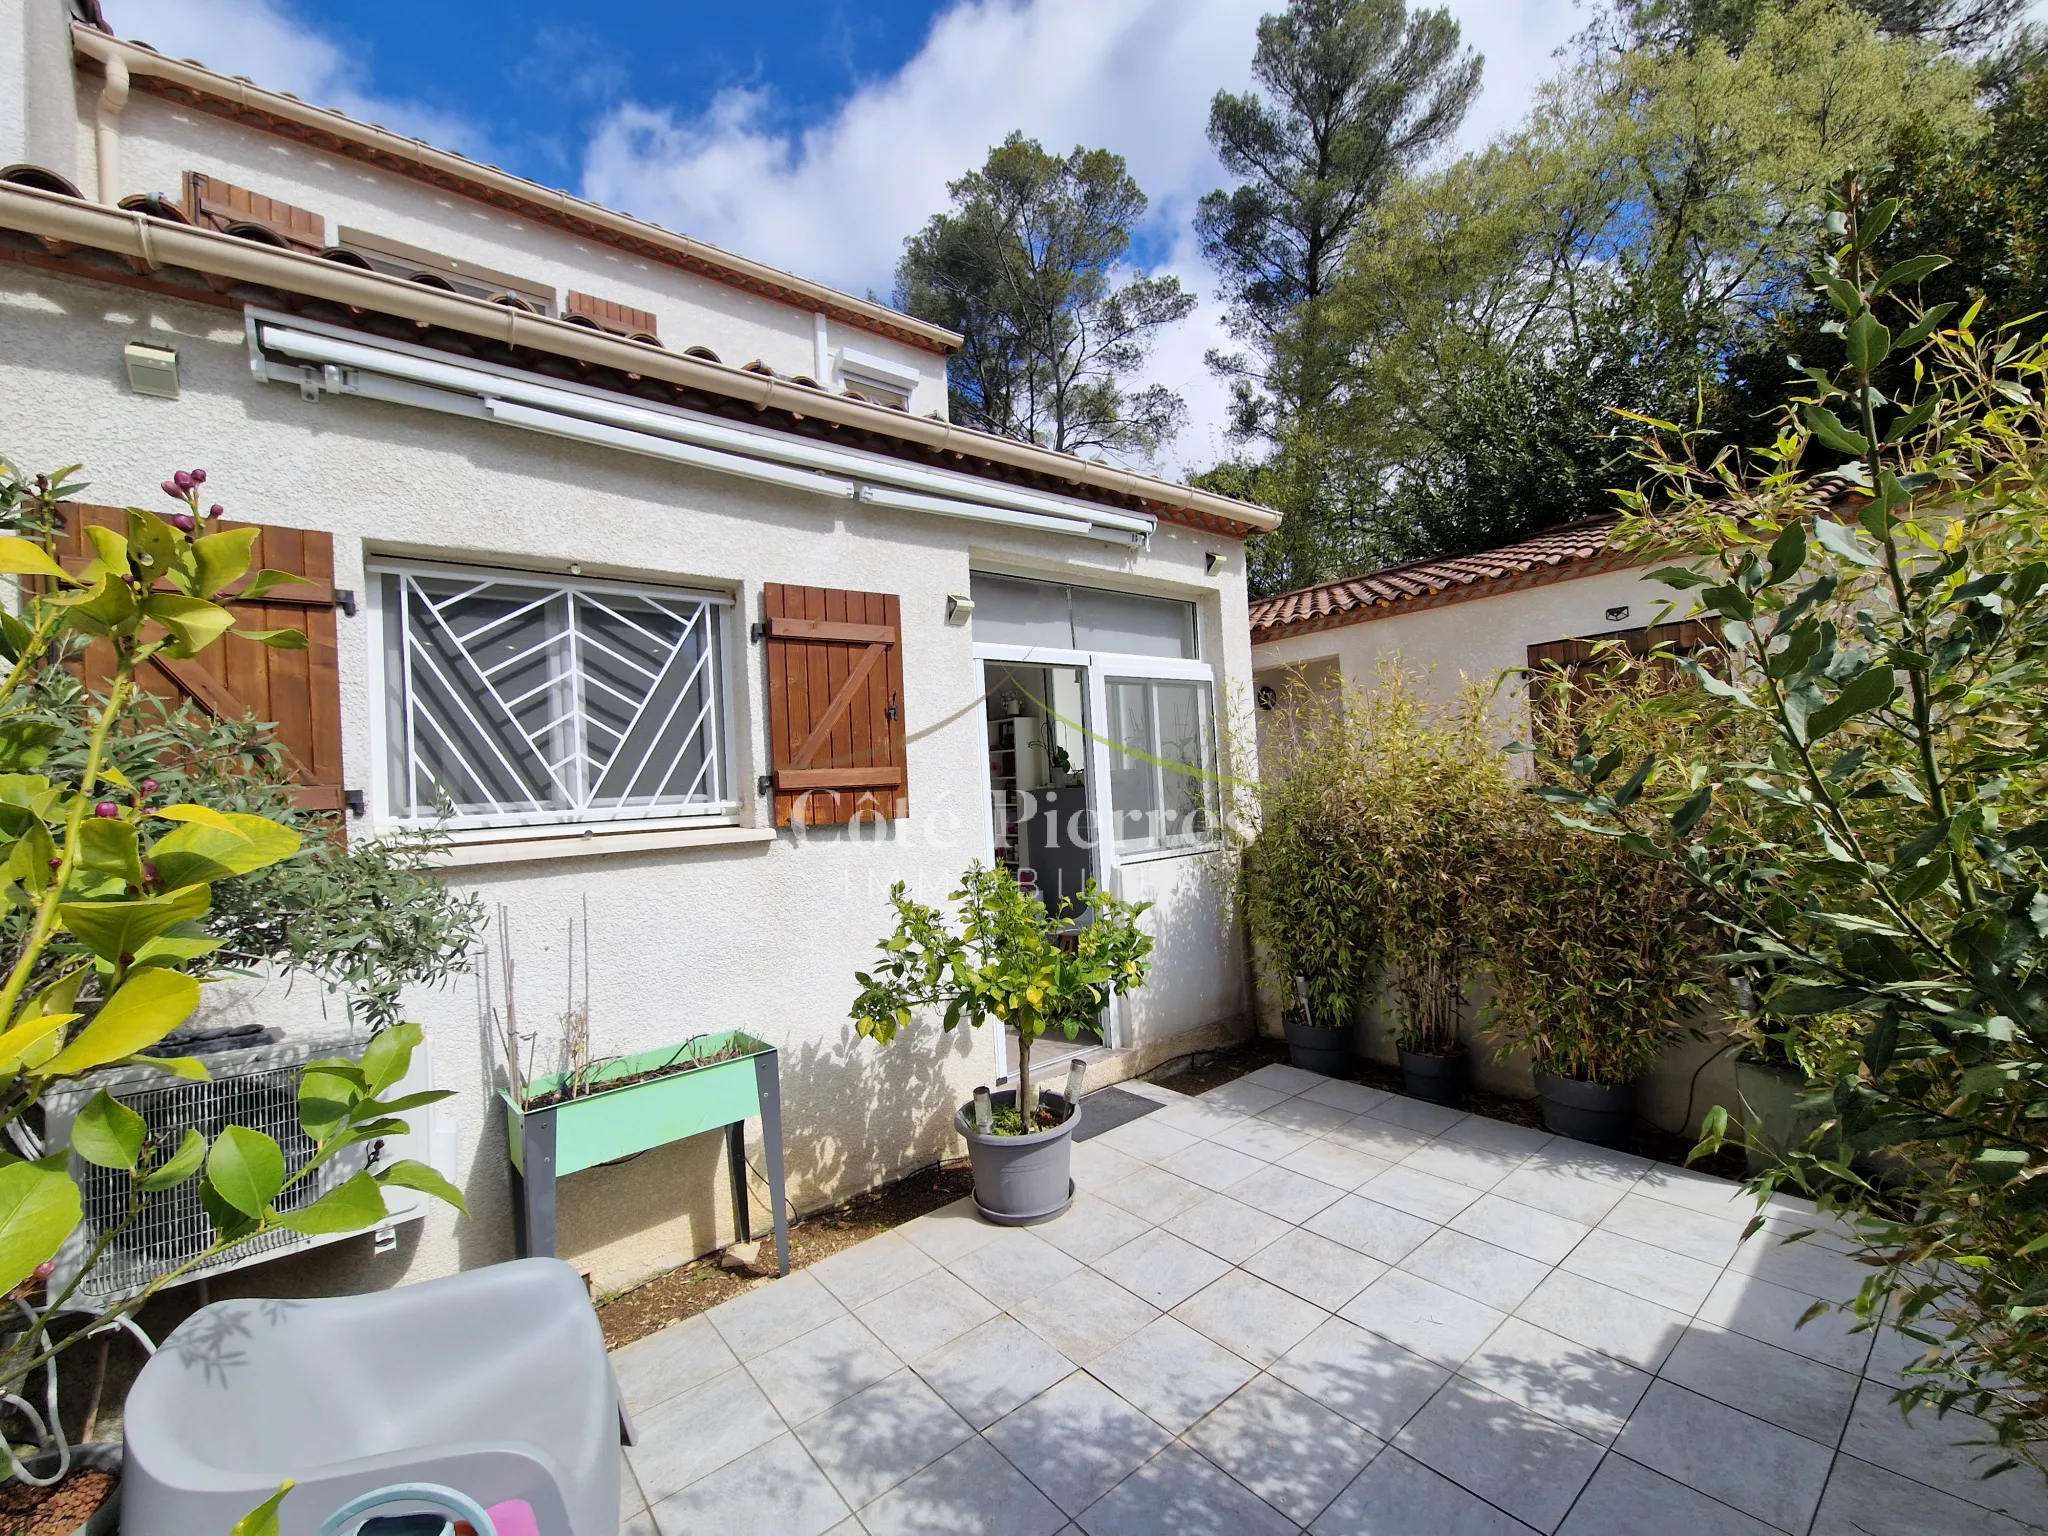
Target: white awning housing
{"type": "Point", "coordinates": [318, 359]}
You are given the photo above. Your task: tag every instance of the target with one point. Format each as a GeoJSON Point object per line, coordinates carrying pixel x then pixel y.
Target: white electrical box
{"type": "Point", "coordinates": [152, 370]}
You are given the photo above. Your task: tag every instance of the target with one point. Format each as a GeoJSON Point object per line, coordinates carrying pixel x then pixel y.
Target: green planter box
{"type": "Point", "coordinates": [614, 1122]}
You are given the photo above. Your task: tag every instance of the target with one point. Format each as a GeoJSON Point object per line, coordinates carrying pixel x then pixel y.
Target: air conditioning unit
{"type": "Point", "coordinates": [258, 1088]}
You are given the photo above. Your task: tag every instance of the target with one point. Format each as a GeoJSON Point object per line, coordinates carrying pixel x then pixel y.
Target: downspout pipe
{"type": "Point", "coordinates": [107, 129]}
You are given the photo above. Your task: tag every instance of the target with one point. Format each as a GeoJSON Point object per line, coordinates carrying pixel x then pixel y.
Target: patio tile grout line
{"type": "Point", "coordinates": [1627, 1181]}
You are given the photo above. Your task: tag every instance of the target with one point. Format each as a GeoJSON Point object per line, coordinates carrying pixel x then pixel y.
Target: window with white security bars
{"type": "Point", "coordinates": [523, 700]}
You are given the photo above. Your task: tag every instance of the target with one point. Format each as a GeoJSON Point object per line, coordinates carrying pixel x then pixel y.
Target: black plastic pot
{"type": "Point", "coordinates": [1443, 1080]}
{"type": "Point", "coordinates": [1314, 1049]}
{"type": "Point", "coordinates": [1020, 1181]}
{"type": "Point", "coordinates": [1596, 1112]}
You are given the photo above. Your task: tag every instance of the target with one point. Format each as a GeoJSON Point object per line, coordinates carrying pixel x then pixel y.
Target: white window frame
{"type": "Point", "coordinates": [575, 821]}
{"type": "Point", "coordinates": [1096, 667]}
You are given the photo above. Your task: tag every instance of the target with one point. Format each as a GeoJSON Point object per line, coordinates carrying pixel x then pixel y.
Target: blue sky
{"type": "Point", "coordinates": [813, 134]}
{"type": "Point", "coordinates": [534, 76]}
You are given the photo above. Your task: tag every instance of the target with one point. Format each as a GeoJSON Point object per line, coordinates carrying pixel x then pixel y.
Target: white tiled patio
{"type": "Point", "coordinates": [1297, 1303]}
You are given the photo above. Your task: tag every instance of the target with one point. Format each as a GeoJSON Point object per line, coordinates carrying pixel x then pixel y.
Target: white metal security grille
{"type": "Point", "coordinates": [527, 700]}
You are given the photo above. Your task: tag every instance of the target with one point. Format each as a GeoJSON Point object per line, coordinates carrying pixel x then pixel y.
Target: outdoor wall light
{"type": "Point", "coordinates": [959, 608]}
{"type": "Point", "coordinates": [1214, 561]}
{"type": "Point", "coordinates": [1616, 615]}
{"type": "Point", "coordinates": [152, 370]}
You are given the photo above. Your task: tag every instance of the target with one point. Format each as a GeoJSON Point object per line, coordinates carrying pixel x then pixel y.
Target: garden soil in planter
{"type": "Point", "coordinates": [1603, 1113]}
{"type": "Point", "coordinates": [1314, 1049]}
{"type": "Point", "coordinates": [1020, 1181]}
{"type": "Point", "coordinates": [86, 1503]}
{"type": "Point", "coordinates": [1445, 1080]}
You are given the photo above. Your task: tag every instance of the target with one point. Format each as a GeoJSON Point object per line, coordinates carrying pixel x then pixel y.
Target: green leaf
{"type": "Point", "coordinates": [1922, 328]}
{"type": "Point", "coordinates": [325, 1099]}
{"type": "Point", "coordinates": [1999, 1165]}
{"type": "Point", "coordinates": [262, 1520]}
{"type": "Point", "coordinates": [348, 1207]}
{"type": "Point", "coordinates": [1868, 342]}
{"type": "Point", "coordinates": [111, 929]}
{"type": "Point", "coordinates": [202, 851]}
{"type": "Point", "coordinates": [1842, 539]}
{"type": "Point", "coordinates": [1830, 429]}
{"type": "Point", "coordinates": [19, 557]}
{"type": "Point", "coordinates": [1911, 270]}
{"type": "Point", "coordinates": [220, 558]}
{"type": "Point", "coordinates": [149, 1006]}
{"type": "Point", "coordinates": [276, 639]}
{"type": "Point", "coordinates": [267, 581]}
{"type": "Point", "coordinates": [246, 1169]}
{"type": "Point", "coordinates": [1679, 576]}
{"type": "Point", "coordinates": [31, 1042]}
{"type": "Point", "coordinates": [111, 847]}
{"type": "Point", "coordinates": [1870, 689]}
{"type": "Point", "coordinates": [179, 1167]}
{"type": "Point", "coordinates": [39, 1208]}
{"type": "Point", "coordinates": [389, 1055]}
{"type": "Point", "coordinates": [1876, 220]}
{"type": "Point", "coordinates": [194, 623]}
{"type": "Point", "coordinates": [1688, 815]}
{"type": "Point", "coordinates": [409, 1174]}
{"type": "Point", "coordinates": [107, 1133]}
{"type": "Point", "coordinates": [1788, 552]}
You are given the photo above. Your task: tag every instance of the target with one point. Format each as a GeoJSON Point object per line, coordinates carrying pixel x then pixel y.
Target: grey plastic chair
{"type": "Point", "coordinates": [494, 1383]}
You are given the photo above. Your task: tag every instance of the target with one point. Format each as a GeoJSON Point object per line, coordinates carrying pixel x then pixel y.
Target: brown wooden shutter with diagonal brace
{"type": "Point", "coordinates": [835, 706]}
{"type": "Point", "coordinates": [298, 692]}
{"type": "Point", "coordinates": [215, 204]}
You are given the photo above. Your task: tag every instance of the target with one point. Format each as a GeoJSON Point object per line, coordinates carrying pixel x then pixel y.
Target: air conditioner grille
{"type": "Point", "coordinates": [255, 1088]}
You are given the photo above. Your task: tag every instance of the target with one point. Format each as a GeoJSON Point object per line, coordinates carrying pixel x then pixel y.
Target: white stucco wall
{"type": "Point", "coordinates": [37, 112]}
{"type": "Point", "coordinates": [762, 935]}
{"type": "Point", "coordinates": [1476, 641]}
{"type": "Point", "coordinates": [1480, 638]}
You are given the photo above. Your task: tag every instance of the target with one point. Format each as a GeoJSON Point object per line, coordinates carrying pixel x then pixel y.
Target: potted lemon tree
{"type": "Point", "coordinates": [1012, 959]}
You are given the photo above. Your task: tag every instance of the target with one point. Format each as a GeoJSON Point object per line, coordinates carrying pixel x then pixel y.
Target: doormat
{"type": "Point", "coordinates": [1107, 1108]}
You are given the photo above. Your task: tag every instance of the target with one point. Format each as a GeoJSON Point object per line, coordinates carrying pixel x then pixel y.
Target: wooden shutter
{"type": "Point", "coordinates": [619, 319]}
{"type": "Point", "coordinates": [1584, 664]}
{"type": "Point", "coordinates": [298, 692]}
{"type": "Point", "coordinates": [215, 204]}
{"type": "Point", "coordinates": [835, 706]}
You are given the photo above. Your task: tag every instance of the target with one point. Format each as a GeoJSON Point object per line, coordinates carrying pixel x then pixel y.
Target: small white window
{"type": "Point", "coordinates": [517, 700]}
{"type": "Point", "coordinates": [1162, 765]}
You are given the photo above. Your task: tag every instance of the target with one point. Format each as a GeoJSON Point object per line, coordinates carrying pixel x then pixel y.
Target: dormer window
{"type": "Point", "coordinates": [877, 380]}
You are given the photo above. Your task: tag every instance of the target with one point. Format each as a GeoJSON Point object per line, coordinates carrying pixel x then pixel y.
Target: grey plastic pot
{"type": "Point", "coordinates": [1596, 1112]}
{"type": "Point", "coordinates": [1445, 1080]}
{"type": "Point", "coordinates": [1770, 1096]}
{"type": "Point", "coordinates": [1314, 1049]}
{"type": "Point", "coordinates": [1020, 1181]}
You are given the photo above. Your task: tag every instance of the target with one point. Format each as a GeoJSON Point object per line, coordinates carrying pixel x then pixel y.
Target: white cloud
{"type": "Point", "coordinates": [835, 200]}
{"type": "Point", "coordinates": [264, 41]}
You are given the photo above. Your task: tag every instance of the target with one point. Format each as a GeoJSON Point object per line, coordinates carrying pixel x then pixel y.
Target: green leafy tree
{"type": "Point", "coordinates": [108, 885]}
{"type": "Point", "coordinates": [1350, 94]}
{"type": "Point", "coordinates": [1645, 226]}
{"type": "Point", "coordinates": [1880, 574]}
{"type": "Point", "coordinates": [1006, 961]}
{"type": "Point", "coordinates": [1027, 267]}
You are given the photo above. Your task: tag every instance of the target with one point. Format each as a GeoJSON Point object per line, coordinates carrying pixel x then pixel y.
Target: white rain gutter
{"type": "Point", "coordinates": [335, 364]}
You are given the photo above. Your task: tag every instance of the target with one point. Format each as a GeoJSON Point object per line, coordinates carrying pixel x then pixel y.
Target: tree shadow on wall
{"type": "Point", "coordinates": [856, 1114]}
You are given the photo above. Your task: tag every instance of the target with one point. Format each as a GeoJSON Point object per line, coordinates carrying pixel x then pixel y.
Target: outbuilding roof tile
{"type": "Point", "coordinates": [1449, 578]}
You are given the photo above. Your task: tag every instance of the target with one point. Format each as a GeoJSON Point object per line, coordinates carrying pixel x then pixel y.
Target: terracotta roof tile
{"type": "Point", "coordinates": [1449, 578]}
